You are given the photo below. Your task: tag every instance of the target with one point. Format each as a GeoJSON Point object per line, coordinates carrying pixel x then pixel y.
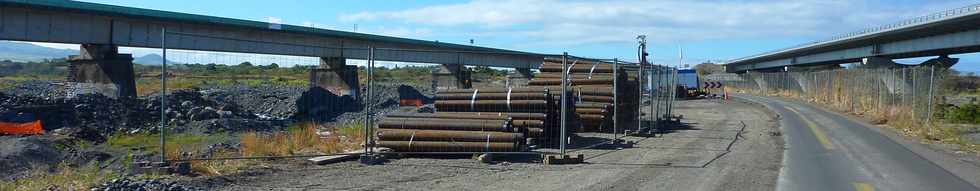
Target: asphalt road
{"type": "Point", "coordinates": [827, 151]}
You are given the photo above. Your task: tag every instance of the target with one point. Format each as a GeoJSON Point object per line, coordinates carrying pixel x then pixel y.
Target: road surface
{"type": "Point", "coordinates": [827, 151]}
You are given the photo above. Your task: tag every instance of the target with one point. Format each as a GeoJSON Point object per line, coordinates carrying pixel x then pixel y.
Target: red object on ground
{"type": "Point", "coordinates": [29, 128]}
{"type": "Point", "coordinates": [410, 102]}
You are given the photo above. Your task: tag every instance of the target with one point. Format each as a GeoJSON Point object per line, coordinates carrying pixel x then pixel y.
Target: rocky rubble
{"type": "Point", "coordinates": [19, 154]}
{"type": "Point", "coordinates": [210, 110]}
{"type": "Point", "coordinates": [36, 88]}
{"type": "Point", "coordinates": [267, 102]}
{"type": "Point", "coordinates": [125, 184]}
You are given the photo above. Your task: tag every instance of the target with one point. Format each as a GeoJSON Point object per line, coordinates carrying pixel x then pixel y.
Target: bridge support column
{"type": "Point", "coordinates": [335, 76]}
{"type": "Point", "coordinates": [99, 68]}
{"type": "Point", "coordinates": [804, 81]}
{"type": "Point", "coordinates": [519, 77]}
{"type": "Point", "coordinates": [451, 76]}
{"type": "Point", "coordinates": [801, 80]}
{"type": "Point", "coordinates": [941, 62]}
{"type": "Point", "coordinates": [760, 81]}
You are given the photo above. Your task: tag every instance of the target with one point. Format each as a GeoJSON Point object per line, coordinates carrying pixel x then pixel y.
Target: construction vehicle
{"type": "Point", "coordinates": [689, 84]}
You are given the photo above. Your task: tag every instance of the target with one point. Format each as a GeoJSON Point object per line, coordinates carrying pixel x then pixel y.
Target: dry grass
{"type": "Point", "coordinates": [66, 177]}
{"type": "Point", "coordinates": [897, 117]}
{"type": "Point", "coordinates": [301, 139]}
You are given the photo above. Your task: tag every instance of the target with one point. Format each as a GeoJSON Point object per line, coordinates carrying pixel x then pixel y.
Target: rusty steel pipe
{"type": "Point", "coordinates": [492, 96]}
{"type": "Point", "coordinates": [597, 111]}
{"type": "Point", "coordinates": [528, 123]}
{"type": "Point", "coordinates": [496, 90]}
{"type": "Point", "coordinates": [593, 105]}
{"type": "Point", "coordinates": [446, 115]}
{"type": "Point", "coordinates": [574, 82]}
{"type": "Point", "coordinates": [445, 124]}
{"type": "Point", "coordinates": [591, 117]}
{"type": "Point", "coordinates": [535, 132]}
{"type": "Point", "coordinates": [493, 105]}
{"type": "Point", "coordinates": [589, 98]}
{"type": "Point", "coordinates": [443, 135]}
{"type": "Point", "coordinates": [514, 116]}
{"type": "Point", "coordinates": [573, 75]}
{"type": "Point", "coordinates": [577, 77]}
{"type": "Point", "coordinates": [432, 146]}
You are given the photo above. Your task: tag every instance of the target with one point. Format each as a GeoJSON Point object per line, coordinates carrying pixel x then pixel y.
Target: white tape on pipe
{"type": "Point", "coordinates": [410, 139]}
{"type": "Point", "coordinates": [593, 69]}
{"type": "Point", "coordinates": [508, 98]}
{"type": "Point", "coordinates": [473, 100]}
{"type": "Point", "coordinates": [487, 147]}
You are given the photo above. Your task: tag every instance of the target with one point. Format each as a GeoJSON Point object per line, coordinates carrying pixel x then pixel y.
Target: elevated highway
{"type": "Point", "coordinates": [954, 31]}
{"type": "Point", "coordinates": [101, 29]}
{"type": "Point", "coordinates": [58, 21]}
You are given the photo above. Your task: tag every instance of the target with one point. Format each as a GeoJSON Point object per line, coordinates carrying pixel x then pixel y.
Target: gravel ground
{"type": "Point", "coordinates": [692, 156]}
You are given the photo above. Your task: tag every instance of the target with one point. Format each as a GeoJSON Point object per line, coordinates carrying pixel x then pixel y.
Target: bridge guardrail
{"type": "Point", "coordinates": [950, 13]}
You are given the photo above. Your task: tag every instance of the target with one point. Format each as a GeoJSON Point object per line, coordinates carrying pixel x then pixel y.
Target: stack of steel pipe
{"type": "Point", "coordinates": [533, 109]}
{"type": "Point", "coordinates": [427, 132]}
{"type": "Point", "coordinates": [591, 85]}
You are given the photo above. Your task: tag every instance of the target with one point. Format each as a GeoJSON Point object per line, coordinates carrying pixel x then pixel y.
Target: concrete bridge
{"type": "Point", "coordinates": [101, 29]}
{"type": "Point", "coordinates": [954, 31]}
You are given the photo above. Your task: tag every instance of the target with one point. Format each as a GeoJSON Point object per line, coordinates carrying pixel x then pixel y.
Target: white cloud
{"type": "Point", "coordinates": [584, 22]}
{"type": "Point", "coordinates": [275, 20]}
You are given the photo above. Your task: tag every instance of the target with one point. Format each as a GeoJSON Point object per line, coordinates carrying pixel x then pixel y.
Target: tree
{"type": "Point", "coordinates": [709, 68]}
{"type": "Point", "coordinates": [273, 66]}
{"type": "Point", "coordinates": [245, 64]}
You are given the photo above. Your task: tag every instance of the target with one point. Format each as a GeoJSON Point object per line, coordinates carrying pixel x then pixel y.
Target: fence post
{"type": "Point", "coordinates": [367, 100]}
{"type": "Point", "coordinates": [915, 88]}
{"type": "Point", "coordinates": [904, 80]}
{"type": "Point", "coordinates": [932, 84]}
{"type": "Point", "coordinates": [660, 80]}
{"type": "Point", "coordinates": [564, 83]}
{"type": "Point", "coordinates": [616, 100]}
{"type": "Point", "coordinates": [653, 119]}
{"type": "Point", "coordinates": [877, 80]}
{"type": "Point", "coordinates": [163, 97]}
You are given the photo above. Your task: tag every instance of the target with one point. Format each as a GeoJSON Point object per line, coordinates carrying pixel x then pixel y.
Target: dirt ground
{"type": "Point", "coordinates": [693, 155]}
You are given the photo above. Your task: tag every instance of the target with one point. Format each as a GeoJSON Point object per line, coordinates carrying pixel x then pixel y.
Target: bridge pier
{"type": "Point", "coordinates": [335, 76]}
{"type": "Point", "coordinates": [895, 82]}
{"type": "Point", "coordinates": [804, 81]}
{"type": "Point", "coordinates": [99, 68]}
{"type": "Point", "coordinates": [519, 77]}
{"type": "Point", "coordinates": [451, 76]}
{"type": "Point", "coordinates": [760, 81]}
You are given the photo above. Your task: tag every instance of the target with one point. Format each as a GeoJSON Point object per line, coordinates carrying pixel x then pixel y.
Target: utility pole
{"type": "Point", "coordinates": [642, 54]}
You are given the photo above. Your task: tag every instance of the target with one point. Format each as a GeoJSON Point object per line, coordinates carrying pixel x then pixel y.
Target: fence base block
{"type": "Point", "coordinates": [371, 159]}
{"type": "Point", "coordinates": [563, 159]}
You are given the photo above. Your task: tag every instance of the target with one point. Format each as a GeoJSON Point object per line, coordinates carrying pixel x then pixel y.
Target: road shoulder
{"type": "Point", "coordinates": [964, 165]}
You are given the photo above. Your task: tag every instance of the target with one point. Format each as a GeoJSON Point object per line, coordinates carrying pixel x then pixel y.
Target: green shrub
{"type": "Point", "coordinates": [966, 113]}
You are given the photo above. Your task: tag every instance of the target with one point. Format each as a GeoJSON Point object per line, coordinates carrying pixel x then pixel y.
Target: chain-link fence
{"type": "Point", "coordinates": [244, 106]}
{"type": "Point", "coordinates": [902, 95]}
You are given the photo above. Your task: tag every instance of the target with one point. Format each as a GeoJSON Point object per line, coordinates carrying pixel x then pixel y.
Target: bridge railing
{"type": "Point", "coordinates": [949, 13]}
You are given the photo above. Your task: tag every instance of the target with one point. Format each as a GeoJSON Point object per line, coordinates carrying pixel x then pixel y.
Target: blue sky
{"type": "Point", "coordinates": [705, 30]}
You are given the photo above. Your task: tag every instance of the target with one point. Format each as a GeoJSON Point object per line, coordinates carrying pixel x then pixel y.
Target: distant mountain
{"type": "Point", "coordinates": [152, 59]}
{"type": "Point", "coordinates": [22, 51]}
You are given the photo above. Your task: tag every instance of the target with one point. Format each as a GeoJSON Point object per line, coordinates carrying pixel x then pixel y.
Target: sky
{"type": "Point", "coordinates": [705, 30]}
